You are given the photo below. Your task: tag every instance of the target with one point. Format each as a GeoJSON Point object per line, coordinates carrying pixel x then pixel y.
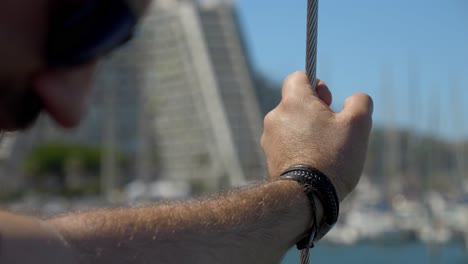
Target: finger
{"type": "Point", "coordinates": [297, 86]}
{"type": "Point", "coordinates": [359, 105]}
{"type": "Point", "coordinates": [324, 93]}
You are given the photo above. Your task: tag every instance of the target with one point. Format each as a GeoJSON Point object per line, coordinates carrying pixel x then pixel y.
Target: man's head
{"type": "Point", "coordinates": [27, 85]}
{"type": "Point", "coordinates": [23, 26]}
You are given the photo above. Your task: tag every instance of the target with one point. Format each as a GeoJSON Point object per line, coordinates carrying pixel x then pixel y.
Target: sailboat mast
{"type": "Point", "coordinates": [109, 159]}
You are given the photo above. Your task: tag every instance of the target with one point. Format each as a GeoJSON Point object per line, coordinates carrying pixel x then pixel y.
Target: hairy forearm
{"type": "Point", "coordinates": [27, 240]}
{"type": "Point", "coordinates": [257, 225]}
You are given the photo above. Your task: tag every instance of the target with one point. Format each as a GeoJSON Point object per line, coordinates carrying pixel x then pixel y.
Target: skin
{"type": "Point", "coordinates": [303, 130]}
{"type": "Point", "coordinates": [27, 86]}
{"type": "Point", "coordinates": [24, 76]}
{"type": "Point", "coordinates": [256, 224]}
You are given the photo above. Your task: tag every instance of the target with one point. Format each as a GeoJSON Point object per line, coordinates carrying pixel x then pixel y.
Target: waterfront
{"type": "Point", "coordinates": [416, 252]}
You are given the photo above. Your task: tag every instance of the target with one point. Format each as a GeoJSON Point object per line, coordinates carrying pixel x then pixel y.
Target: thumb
{"type": "Point", "coordinates": [358, 106]}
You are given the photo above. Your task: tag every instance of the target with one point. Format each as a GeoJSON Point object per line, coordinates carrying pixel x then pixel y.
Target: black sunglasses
{"type": "Point", "coordinates": [88, 32]}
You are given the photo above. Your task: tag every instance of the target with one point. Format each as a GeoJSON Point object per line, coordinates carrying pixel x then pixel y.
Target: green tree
{"type": "Point", "coordinates": [47, 165]}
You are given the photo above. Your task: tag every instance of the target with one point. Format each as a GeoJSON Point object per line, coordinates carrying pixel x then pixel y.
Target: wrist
{"type": "Point", "coordinates": [333, 175]}
{"type": "Point", "coordinates": [299, 217]}
{"type": "Point", "coordinates": [316, 186]}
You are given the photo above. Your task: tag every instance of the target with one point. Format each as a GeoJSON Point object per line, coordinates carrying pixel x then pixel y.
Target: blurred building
{"type": "Point", "coordinates": [200, 91]}
{"type": "Point", "coordinates": [179, 101]}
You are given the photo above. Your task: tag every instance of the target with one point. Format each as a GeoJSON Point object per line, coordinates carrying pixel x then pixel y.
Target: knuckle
{"type": "Point", "coordinates": [362, 119]}
{"type": "Point", "coordinates": [361, 113]}
{"type": "Point", "coordinates": [292, 82]}
{"type": "Point", "coordinates": [367, 100]}
{"type": "Point", "coordinates": [269, 119]}
{"type": "Point", "coordinates": [290, 79]}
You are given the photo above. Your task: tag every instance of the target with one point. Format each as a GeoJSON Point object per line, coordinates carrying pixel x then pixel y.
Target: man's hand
{"type": "Point", "coordinates": [303, 130]}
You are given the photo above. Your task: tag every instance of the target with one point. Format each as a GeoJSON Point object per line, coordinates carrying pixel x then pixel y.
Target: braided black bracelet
{"type": "Point", "coordinates": [316, 184]}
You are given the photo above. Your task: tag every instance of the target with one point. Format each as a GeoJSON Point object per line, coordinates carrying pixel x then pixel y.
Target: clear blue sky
{"type": "Point", "coordinates": [361, 41]}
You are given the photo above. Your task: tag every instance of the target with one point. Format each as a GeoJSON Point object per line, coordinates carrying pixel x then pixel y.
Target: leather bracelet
{"type": "Point", "coordinates": [317, 184]}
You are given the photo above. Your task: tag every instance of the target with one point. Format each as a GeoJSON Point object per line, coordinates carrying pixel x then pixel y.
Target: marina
{"type": "Point", "coordinates": [412, 252]}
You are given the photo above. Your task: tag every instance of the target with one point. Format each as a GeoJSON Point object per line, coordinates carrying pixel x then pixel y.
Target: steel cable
{"type": "Point", "coordinates": [311, 68]}
{"type": "Point", "coordinates": [311, 52]}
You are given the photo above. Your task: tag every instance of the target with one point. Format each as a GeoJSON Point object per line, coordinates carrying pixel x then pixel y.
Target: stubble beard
{"type": "Point", "coordinates": [19, 107]}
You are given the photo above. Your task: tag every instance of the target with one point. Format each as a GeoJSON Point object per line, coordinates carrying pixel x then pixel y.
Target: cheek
{"type": "Point", "coordinates": [23, 25]}
{"type": "Point", "coordinates": [19, 105]}
{"type": "Point", "coordinates": [65, 93]}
